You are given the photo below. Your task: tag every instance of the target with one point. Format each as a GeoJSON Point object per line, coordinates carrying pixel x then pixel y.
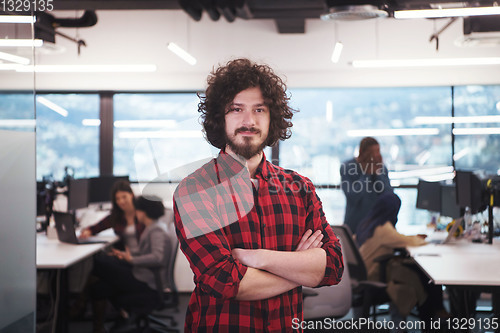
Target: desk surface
{"type": "Point", "coordinates": [50, 253]}
{"type": "Point", "coordinates": [460, 263]}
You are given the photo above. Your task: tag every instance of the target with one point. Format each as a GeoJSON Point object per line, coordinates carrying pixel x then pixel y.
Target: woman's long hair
{"type": "Point", "coordinates": [117, 214]}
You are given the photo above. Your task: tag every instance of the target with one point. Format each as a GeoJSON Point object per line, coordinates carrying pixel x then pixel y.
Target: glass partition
{"type": "Point", "coordinates": [18, 183]}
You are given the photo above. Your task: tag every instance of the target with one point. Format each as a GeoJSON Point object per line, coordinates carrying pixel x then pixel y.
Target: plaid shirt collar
{"type": "Point", "coordinates": [264, 171]}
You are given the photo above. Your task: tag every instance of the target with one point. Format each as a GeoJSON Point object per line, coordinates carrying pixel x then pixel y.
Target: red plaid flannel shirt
{"type": "Point", "coordinates": [216, 211]}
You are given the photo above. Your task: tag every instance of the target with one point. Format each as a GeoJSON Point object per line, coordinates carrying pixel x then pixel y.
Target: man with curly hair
{"type": "Point", "coordinates": [253, 233]}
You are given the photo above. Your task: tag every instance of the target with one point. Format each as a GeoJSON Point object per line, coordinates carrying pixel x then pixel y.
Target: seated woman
{"type": "Point", "coordinates": [406, 285]}
{"type": "Point", "coordinates": [122, 218]}
{"type": "Point", "coordinates": [125, 277]}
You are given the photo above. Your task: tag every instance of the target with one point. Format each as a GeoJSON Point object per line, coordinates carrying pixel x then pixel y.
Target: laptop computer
{"type": "Point", "coordinates": [66, 233]}
{"type": "Point", "coordinates": [451, 233]}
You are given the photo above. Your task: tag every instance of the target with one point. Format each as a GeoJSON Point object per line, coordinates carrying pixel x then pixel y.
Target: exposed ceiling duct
{"type": "Point", "coordinates": [46, 25]}
{"type": "Point", "coordinates": [481, 31]}
{"type": "Point", "coordinates": [354, 12]}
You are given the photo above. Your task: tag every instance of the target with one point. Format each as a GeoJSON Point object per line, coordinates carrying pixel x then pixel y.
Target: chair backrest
{"type": "Point", "coordinates": [169, 293]}
{"type": "Point", "coordinates": [330, 301]}
{"type": "Point", "coordinates": [352, 257]}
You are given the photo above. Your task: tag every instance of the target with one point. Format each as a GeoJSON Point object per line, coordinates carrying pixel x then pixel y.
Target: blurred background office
{"type": "Point", "coordinates": [109, 97]}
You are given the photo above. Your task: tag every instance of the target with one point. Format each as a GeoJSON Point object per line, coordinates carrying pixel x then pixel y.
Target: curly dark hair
{"type": "Point", "coordinates": [151, 205]}
{"type": "Point", "coordinates": [229, 80]}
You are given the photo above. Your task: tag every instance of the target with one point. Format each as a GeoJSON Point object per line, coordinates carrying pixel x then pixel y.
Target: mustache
{"type": "Point", "coordinates": [246, 129]}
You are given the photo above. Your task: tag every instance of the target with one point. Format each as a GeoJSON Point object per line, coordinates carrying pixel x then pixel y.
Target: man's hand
{"type": "Point", "coordinates": [310, 240]}
{"type": "Point", "coordinates": [255, 258]}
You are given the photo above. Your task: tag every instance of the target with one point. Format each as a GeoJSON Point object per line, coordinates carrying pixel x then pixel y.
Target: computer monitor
{"type": "Point", "coordinates": [449, 206]}
{"type": "Point", "coordinates": [78, 193]}
{"type": "Point", "coordinates": [40, 199]}
{"type": "Point", "coordinates": [100, 187]}
{"type": "Point", "coordinates": [429, 196]}
{"type": "Point", "coordinates": [470, 191]}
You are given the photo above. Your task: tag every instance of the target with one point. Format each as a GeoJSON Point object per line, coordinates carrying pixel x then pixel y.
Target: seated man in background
{"type": "Point", "coordinates": [407, 286]}
{"type": "Point", "coordinates": [363, 179]}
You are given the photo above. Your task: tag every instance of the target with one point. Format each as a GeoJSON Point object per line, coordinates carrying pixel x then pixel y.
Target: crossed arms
{"type": "Point", "coordinates": [271, 273]}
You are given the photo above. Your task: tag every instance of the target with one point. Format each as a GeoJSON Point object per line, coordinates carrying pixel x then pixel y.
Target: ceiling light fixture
{"type": "Point", "coordinates": [158, 123]}
{"type": "Point", "coordinates": [14, 58]}
{"type": "Point", "coordinates": [25, 123]}
{"type": "Point", "coordinates": [456, 120]}
{"type": "Point", "coordinates": [393, 132]}
{"type": "Point", "coordinates": [91, 122]}
{"type": "Point", "coordinates": [446, 12]}
{"type": "Point", "coordinates": [477, 131]}
{"type": "Point", "coordinates": [161, 135]}
{"type": "Point", "coordinates": [337, 51]}
{"type": "Point", "coordinates": [9, 67]}
{"type": "Point", "coordinates": [88, 68]}
{"type": "Point", "coordinates": [181, 53]}
{"type": "Point", "coordinates": [17, 19]}
{"type": "Point", "coordinates": [53, 106]}
{"type": "Point", "coordinates": [21, 42]}
{"type": "Point", "coordinates": [426, 62]}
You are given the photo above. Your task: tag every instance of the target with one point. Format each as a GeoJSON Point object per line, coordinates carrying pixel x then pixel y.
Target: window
{"type": "Point", "coordinates": [477, 135]}
{"type": "Point", "coordinates": [67, 140]}
{"type": "Point", "coordinates": [158, 136]}
{"type": "Point", "coordinates": [331, 122]}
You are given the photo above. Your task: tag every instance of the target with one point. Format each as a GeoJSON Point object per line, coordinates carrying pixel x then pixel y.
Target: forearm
{"type": "Point", "coordinates": [258, 285]}
{"type": "Point", "coordinates": [306, 268]}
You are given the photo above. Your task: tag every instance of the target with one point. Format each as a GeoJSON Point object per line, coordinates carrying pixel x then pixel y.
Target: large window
{"type": "Point", "coordinates": [477, 131]}
{"type": "Point", "coordinates": [331, 122]}
{"type": "Point", "coordinates": [67, 137]}
{"type": "Point", "coordinates": [158, 136]}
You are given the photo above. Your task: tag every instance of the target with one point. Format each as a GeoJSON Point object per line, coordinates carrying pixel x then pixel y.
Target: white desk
{"type": "Point", "coordinates": [460, 263]}
{"type": "Point", "coordinates": [52, 254]}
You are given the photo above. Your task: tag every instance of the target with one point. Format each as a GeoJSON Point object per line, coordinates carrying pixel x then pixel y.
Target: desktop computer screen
{"type": "Point", "coordinates": [429, 195]}
{"type": "Point", "coordinates": [449, 206]}
{"type": "Point", "coordinates": [78, 194]}
{"type": "Point", "coordinates": [470, 191]}
{"type": "Point", "coordinates": [100, 188]}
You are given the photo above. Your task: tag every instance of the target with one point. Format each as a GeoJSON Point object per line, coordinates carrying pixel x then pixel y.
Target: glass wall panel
{"type": "Point", "coordinates": [18, 183]}
{"type": "Point", "coordinates": [331, 122]}
{"type": "Point", "coordinates": [477, 131]}
{"type": "Point", "coordinates": [67, 135]}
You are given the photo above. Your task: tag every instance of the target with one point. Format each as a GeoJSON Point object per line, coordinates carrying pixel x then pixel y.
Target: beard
{"type": "Point", "coordinates": [247, 149]}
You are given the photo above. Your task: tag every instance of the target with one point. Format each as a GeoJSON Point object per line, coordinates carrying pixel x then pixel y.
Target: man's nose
{"type": "Point", "coordinates": [248, 118]}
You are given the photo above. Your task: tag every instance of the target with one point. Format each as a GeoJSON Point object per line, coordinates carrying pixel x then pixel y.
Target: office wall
{"type": "Point", "coordinates": [140, 37]}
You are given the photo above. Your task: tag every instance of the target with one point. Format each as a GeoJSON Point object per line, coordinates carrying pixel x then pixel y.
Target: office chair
{"type": "Point", "coordinates": [329, 301]}
{"type": "Point", "coordinates": [151, 315]}
{"type": "Point", "coordinates": [366, 294]}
